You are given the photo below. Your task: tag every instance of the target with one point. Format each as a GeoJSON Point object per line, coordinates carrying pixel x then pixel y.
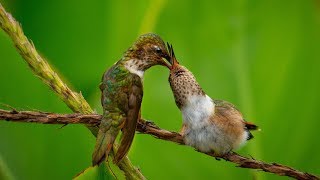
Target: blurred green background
{"type": "Point", "coordinates": [261, 55]}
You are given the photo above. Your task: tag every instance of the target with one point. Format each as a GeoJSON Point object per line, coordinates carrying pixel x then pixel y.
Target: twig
{"type": "Point", "coordinates": [149, 128]}
{"type": "Point", "coordinates": [42, 69]}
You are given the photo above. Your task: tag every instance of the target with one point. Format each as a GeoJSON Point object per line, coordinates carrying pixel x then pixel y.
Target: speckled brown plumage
{"type": "Point", "coordinates": [208, 125]}
{"type": "Point", "coordinates": [183, 84]}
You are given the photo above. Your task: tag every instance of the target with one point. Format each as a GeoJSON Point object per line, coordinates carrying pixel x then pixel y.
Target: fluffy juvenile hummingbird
{"type": "Point", "coordinates": [122, 92]}
{"type": "Point", "coordinates": [209, 125]}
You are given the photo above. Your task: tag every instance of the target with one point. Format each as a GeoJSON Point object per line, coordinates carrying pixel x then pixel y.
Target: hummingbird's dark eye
{"type": "Point", "coordinates": [157, 49]}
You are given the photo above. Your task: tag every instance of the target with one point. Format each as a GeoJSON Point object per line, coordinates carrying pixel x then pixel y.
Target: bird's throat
{"type": "Point", "coordinates": [135, 67]}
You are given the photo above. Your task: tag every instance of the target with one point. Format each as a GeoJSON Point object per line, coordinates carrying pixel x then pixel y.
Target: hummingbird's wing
{"type": "Point", "coordinates": [231, 108]}
{"type": "Point", "coordinates": [128, 131]}
{"type": "Point", "coordinates": [227, 112]}
{"type": "Point", "coordinates": [231, 118]}
{"type": "Point", "coordinates": [113, 118]}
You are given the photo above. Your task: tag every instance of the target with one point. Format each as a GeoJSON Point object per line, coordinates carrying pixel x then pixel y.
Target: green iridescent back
{"type": "Point", "coordinates": [115, 87]}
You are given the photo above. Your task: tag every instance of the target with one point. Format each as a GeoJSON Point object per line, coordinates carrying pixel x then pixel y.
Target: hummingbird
{"type": "Point", "coordinates": [209, 125]}
{"type": "Point", "coordinates": [122, 92]}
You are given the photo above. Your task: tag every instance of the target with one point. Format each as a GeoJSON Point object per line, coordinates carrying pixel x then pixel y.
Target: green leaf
{"type": "Point", "coordinates": [94, 173]}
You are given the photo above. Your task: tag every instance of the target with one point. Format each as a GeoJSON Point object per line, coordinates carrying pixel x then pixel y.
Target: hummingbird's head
{"type": "Point", "coordinates": [149, 50]}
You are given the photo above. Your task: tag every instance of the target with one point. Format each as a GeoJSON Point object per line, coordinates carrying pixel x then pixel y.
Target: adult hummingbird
{"type": "Point", "coordinates": [122, 92]}
{"type": "Point", "coordinates": [209, 125]}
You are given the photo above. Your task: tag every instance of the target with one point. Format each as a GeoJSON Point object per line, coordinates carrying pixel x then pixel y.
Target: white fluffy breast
{"type": "Point", "coordinates": [197, 111]}
{"type": "Point", "coordinates": [203, 134]}
{"type": "Point", "coordinates": [132, 67]}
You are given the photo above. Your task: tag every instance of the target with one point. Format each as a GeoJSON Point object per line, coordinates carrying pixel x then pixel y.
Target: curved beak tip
{"type": "Point", "coordinates": [167, 62]}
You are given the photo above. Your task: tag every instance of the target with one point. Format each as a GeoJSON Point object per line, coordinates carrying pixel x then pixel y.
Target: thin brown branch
{"type": "Point", "coordinates": [150, 128]}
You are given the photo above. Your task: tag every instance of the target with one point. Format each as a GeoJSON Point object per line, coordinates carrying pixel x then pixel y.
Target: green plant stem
{"type": "Point", "coordinates": [42, 69]}
{"type": "Point", "coordinates": [5, 172]}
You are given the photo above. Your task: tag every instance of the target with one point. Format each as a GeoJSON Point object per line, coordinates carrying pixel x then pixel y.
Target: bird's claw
{"type": "Point", "coordinates": [148, 123]}
{"type": "Point", "coordinates": [215, 155]}
{"type": "Point", "coordinates": [144, 125]}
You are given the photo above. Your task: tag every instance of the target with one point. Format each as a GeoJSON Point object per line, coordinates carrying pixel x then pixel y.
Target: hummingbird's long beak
{"type": "Point", "coordinates": [173, 59]}
{"type": "Point", "coordinates": [166, 62]}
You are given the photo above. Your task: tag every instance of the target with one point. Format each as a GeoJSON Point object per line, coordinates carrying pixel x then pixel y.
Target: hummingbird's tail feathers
{"type": "Point", "coordinates": [103, 147]}
{"type": "Point", "coordinates": [104, 144]}
{"type": "Point", "coordinates": [128, 133]}
{"type": "Point", "coordinates": [250, 136]}
{"type": "Point", "coordinates": [251, 126]}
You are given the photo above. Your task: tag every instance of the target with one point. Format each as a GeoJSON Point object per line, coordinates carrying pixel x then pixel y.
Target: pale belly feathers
{"type": "Point", "coordinates": [201, 133]}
